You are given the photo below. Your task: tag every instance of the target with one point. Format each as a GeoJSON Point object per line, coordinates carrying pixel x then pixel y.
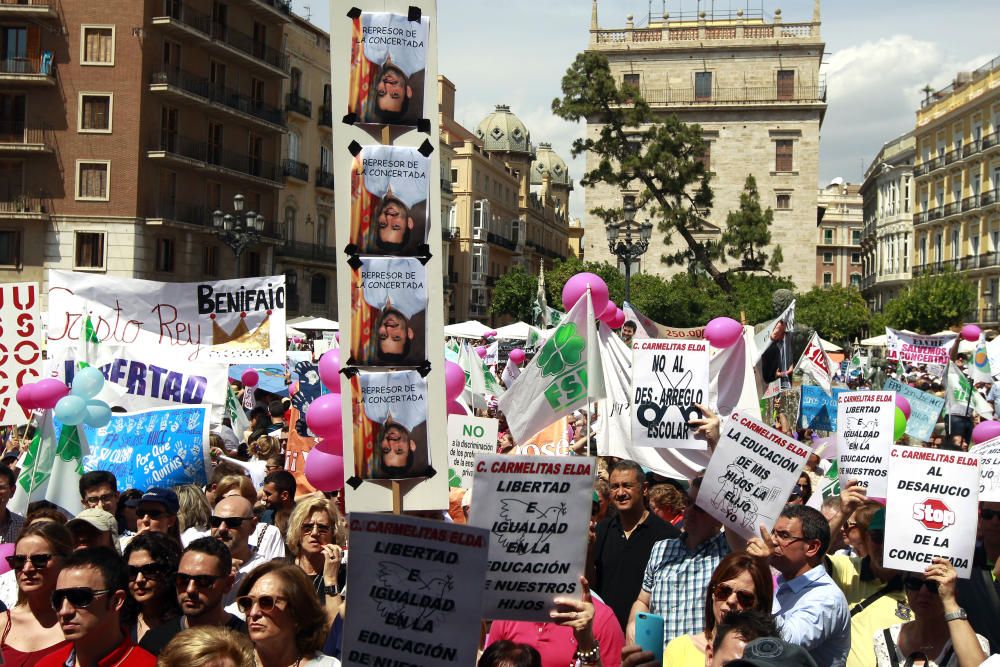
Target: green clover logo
{"type": "Point", "coordinates": [563, 350]}
{"type": "Point", "coordinates": [69, 448]}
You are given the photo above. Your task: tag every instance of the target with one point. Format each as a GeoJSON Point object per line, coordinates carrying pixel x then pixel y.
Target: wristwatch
{"type": "Point", "coordinates": [957, 615]}
{"type": "Point", "coordinates": [331, 589]}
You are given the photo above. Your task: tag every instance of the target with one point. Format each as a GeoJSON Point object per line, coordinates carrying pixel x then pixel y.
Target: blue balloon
{"type": "Point", "coordinates": [98, 414]}
{"type": "Point", "coordinates": [71, 410]}
{"type": "Point", "coordinates": [87, 383]}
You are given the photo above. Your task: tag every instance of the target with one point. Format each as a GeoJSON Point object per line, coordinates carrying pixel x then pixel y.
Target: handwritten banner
{"type": "Point", "coordinates": [668, 379]}
{"type": "Point", "coordinates": [419, 594]}
{"type": "Point", "coordinates": [20, 347]}
{"type": "Point", "coordinates": [925, 408]}
{"type": "Point", "coordinates": [917, 349]}
{"type": "Point", "coordinates": [750, 475]}
{"type": "Point", "coordinates": [989, 470]}
{"type": "Point", "coordinates": [467, 437]}
{"type": "Point", "coordinates": [865, 421]}
{"type": "Point", "coordinates": [932, 509]}
{"type": "Point", "coordinates": [537, 510]}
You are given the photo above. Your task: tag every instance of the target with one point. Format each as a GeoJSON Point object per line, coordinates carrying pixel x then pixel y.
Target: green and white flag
{"type": "Point", "coordinates": [52, 468]}
{"type": "Point", "coordinates": [479, 379]}
{"type": "Point", "coordinates": [981, 371]}
{"type": "Point", "coordinates": [565, 375]}
{"type": "Point", "coordinates": [237, 416]}
{"type": "Point", "coordinates": [960, 397]}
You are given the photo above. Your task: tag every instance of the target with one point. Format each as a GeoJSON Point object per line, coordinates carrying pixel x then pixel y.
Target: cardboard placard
{"type": "Point", "coordinates": [418, 594]}
{"type": "Point", "coordinates": [388, 312]}
{"type": "Point", "coordinates": [865, 421]}
{"type": "Point", "coordinates": [467, 438]}
{"type": "Point", "coordinates": [932, 509]}
{"type": "Point", "coordinates": [537, 511]}
{"type": "Point", "coordinates": [668, 378]}
{"type": "Point", "coordinates": [750, 475]}
{"type": "Point", "coordinates": [925, 408]}
{"type": "Point", "coordinates": [989, 470]}
{"type": "Point", "coordinates": [20, 347]}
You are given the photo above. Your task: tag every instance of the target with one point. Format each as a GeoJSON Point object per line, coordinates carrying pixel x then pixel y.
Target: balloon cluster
{"type": "Point", "coordinates": [454, 384]}
{"type": "Point", "coordinates": [80, 406]}
{"type": "Point", "coordinates": [481, 351]}
{"type": "Point", "coordinates": [325, 462]}
{"type": "Point", "coordinates": [605, 309]}
{"type": "Point", "coordinates": [516, 356]}
{"type": "Point", "coordinates": [971, 333]}
{"type": "Point", "coordinates": [613, 316]}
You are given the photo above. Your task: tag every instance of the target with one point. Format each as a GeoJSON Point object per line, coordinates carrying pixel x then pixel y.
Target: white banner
{"type": "Point", "coordinates": [20, 347]}
{"type": "Point", "coordinates": [537, 510]}
{"type": "Point", "coordinates": [668, 379]}
{"type": "Point", "coordinates": [467, 438]}
{"type": "Point", "coordinates": [916, 349]}
{"type": "Point", "coordinates": [932, 509]}
{"type": "Point", "coordinates": [751, 475]}
{"type": "Point", "coordinates": [865, 421]}
{"type": "Point", "coordinates": [229, 321]}
{"type": "Point", "coordinates": [815, 363]}
{"type": "Point", "coordinates": [989, 470]}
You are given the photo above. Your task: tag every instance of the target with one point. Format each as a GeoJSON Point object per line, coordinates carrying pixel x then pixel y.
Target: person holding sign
{"type": "Point", "coordinates": [941, 635]}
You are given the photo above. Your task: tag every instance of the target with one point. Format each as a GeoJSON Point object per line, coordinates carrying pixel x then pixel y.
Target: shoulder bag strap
{"type": "Point", "coordinates": [890, 587]}
{"type": "Point", "coordinates": [891, 648]}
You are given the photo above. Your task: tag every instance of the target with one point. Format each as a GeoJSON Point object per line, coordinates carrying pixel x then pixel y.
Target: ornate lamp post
{"type": "Point", "coordinates": [238, 230]}
{"type": "Point", "coordinates": [628, 241]}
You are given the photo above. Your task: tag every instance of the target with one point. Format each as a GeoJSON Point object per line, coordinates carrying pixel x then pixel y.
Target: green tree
{"type": "Point", "coordinates": [634, 147]}
{"type": "Point", "coordinates": [838, 313]}
{"type": "Point", "coordinates": [514, 294]}
{"type": "Point", "coordinates": [748, 233]}
{"type": "Point", "coordinates": [932, 303]}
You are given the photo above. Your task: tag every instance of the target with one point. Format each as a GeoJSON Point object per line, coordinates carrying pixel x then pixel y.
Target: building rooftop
{"type": "Point", "coordinates": [504, 132]}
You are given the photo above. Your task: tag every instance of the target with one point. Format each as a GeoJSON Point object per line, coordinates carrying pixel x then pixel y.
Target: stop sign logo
{"type": "Point", "coordinates": [934, 514]}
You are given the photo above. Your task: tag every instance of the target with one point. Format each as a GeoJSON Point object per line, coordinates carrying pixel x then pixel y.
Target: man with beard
{"type": "Point", "coordinates": [204, 578]}
{"type": "Point", "coordinates": [624, 541]}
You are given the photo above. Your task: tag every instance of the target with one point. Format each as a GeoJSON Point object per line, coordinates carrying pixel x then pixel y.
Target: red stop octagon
{"type": "Point", "coordinates": [934, 514]}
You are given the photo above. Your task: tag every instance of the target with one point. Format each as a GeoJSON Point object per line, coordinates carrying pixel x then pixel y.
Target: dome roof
{"type": "Point", "coordinates": [547, 161]}
{"type": "Point", "coordinates": [504, 132]}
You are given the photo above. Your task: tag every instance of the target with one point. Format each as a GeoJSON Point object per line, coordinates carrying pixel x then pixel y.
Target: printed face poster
{"type": "Point", "coordinates": [390, 425]}
{"type": "Point", "coordinates": [750, 475]}
{"type": "Point", "coordinates": [467, 438]}
{"type": "Point", "coordinates": [537, 511]}
{"type": "Point", "coordinates": [865, 421]}
{"type": "Point", "coordinates": [925, 408]}
{"type": "Point", "coordinates": [388, 57]}
{"type": "Point", "coordinates": [419, 595]}
{"type": "Point", "coordinates": [668, 379]}
{"type": "Point", "coordinates": [20, 347]}
{"type": "Point", "coordinates": [989, 470]}
{"type": "Point", "coordinates": [230, 321]}
{"type": "Point", "coordinates": [932, 509]}
{"type": "Point", "coordinates": [388, 312]}
{"type": "Point", "coordinates": [389, 191]}
{"type": "Point", "coordinates": [918, 350]}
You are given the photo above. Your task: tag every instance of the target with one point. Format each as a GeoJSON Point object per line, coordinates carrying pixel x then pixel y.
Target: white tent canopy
{"type": "Point", "coordinates": [830, 347]}
{"type": "Point", "coordinates": [297, 320]}
{"type": "Point", "coordinates": [515, 331]}
{"type": "Point", "coordinates": [317, 324]}
{"type": "Point", "coordinates": [468, 329]}
{"type": "Point", "coordinates": [291, 332]}
{"type": "Point", "coordinates": [875, 341]}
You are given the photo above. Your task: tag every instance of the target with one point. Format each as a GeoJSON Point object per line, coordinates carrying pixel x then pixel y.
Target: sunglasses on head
{"type": "Point", "coordinates": [148, 571]}
{"type": "Point", "coordinates": [989, 514]}
{"type": "Point", "coordinates": [81, 598]}
{"type": "Point", "coordinates": [151, 513]}
{"type": "Point", "coordinates": [200, 580]}
{"type": "Point", "coordinates": [723, 592]}
{"type": "Point", "coordinates": [233, 522]}
{"type": "Point", "coordinates": [38, 561]}
{"type": "Point", "coordinates": [264, 602]}
{"type": "Point", "coordinates": [914, 584]}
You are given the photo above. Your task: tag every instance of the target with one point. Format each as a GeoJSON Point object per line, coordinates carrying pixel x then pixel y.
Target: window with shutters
{"type": "Point", "coordinates": [95, 112]}
{"type": "Point", "coordinates": [10, 248]}
{"type": "Point", "coordinates": [702, 85]}
{"type": "Point", "coordinates": [92, 179]}
{"type": "Point", "coordinates": [318, 289]}
{"type": "Point", "coordinates": [88, 251]}
{"type": "Point", "coordinates": [706, 157]}
{"type": "Point", "coordinates": [783, 201]}
{"type": "Point", "coordinates": [786, 84]}
{"type": "Point", "coordinates": [827, 279]}
{"type": "Point", "coordinates": [165, 255]}
{"type": "Point", "coordinates": [783, 155]}
{"type": "Point", "coordinates": [253, 263]}
{"type": "Point", "coordinates": [98, 45]}
{"type": "Point", "coordinates": [210, 260]}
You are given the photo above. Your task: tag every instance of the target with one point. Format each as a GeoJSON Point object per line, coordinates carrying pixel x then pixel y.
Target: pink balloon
{"type": "Point", "coordinates": [455, 408]}
{"type": "Point", "coordinates": [329, 370]}
{"type": "Point", "coordinates": [337, 336]}
{"type": "Point", "coordinates": [903, 404]}
{"type": "Point", "coordinates": [576, 287]}
{"type": "Point", "coordinates": [323, 416]}
{"type": "Point", "coordinates": [6, 549]}
{"type": "Point", "coordinates": [609, 312]}
{"type": "Point", "coordinates": [491, 333]}
{"type": "Point", "coordinates": [618, 320]}
{"type": "Point", "coordinates": [47, 393]}
{"type": "Point", "coordinates": [250, 378]}
{"type": "Point", "coordinates": [723, 332]}
{"type": "Point", "coordinates": [25, 397]}
{"type": "Point", "coordinates": [985, 430]}
{"type": "Point", "coordinates": [481, 351]}
{"type": "Point", "coordinates": [325, 471]}
{"type": "Point", "coordinates": [331, 445]}
{"type": "Point", "coordinates": [971, 333]}
{"type": "Point", "coordinates": [516, 356]}
{"type": "Point", "coordinates": [454, 380]}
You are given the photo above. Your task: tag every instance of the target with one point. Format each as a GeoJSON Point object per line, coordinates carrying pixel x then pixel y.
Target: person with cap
{"type": "Point", "coordinates": [157, 512]}
{"type": "Point", "coordinates": [773, 652]}
{"type": "Point", "coordinates": [94, 527]}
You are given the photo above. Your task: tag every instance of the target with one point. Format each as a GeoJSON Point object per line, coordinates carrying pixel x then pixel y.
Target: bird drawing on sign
{"type": "Point", "coordinates": [410, 586]}
{"type": "Point", "coordinates": [523, 517]}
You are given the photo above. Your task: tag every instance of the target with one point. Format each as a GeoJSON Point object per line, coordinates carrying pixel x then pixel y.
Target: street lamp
{"type": "Point", "coordinates": [621, 242]}
{"type": "Point", "coordinates": [240, 230]}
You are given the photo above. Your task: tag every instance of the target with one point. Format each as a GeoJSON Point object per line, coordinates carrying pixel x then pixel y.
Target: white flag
{"type": "Point", "coordinates": [564, 376]}
{"type": "Point", "coordinates": [960, 396]}
{"type": "Point", "coordinates": [52, 468]}
{"type": "Point", "coordinates": [816, 364]}
{"type": "Point", "coordinates": [510, 373]}
{"type": "Point", "coordinates": [732, 383]}
{"type": "Point", "coordinates": [982, 371]}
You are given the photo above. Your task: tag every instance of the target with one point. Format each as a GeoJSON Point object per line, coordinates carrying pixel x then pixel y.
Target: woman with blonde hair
{"type": "Point", "coordinates": [207, 646]}
{"type": "Point", "coordinates": [265, 538]}
{"type": "Point", "coordinates": [193, 514]}
{"type": "Point", "coordinates": [261, 449]}
{"type": "Point", "coordinates": [312, 531]}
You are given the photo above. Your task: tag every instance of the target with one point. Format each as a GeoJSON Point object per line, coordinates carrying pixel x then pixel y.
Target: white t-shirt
{"type": "Point", "coordinates": [407, 301]}
{"type": "Point", "coordinates": [407, 57]}
{"type": "Point", "coordinates": [882, 650]}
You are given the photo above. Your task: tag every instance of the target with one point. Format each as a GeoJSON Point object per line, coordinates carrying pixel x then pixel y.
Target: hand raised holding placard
{"type": "Point", "coordinates": [578, 615]}
{"type": "Point", "coordinates": [707, 426]}
{"type": "Point", "coordinates": [761, 547]}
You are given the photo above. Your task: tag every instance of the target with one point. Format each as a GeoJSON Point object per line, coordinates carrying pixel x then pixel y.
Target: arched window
{"type": "Point", "coordinates": [317, 289]}
{"type": "Point", "coordinates": [293, 145]}
{"type": "Point", "coordinates": [290, 213]}
{"type": "Point", "coordinates": [321, 231]}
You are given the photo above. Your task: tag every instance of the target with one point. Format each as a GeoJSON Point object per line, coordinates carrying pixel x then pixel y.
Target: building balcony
{"type": "Point", "coordinates": [953, 156]}
{"type": "Point", "coordinates": [308, 251]}
{"type": "Point", "coordinates": [183, 22]}
{"type": "Point", "coordinates": [185, 151]}
{"type": "Point", "coordinates": [991, 140]}
{"type": "Point", "coordinates": [21, 207]}
{"type": "Point", "coordinates": [446, 185]}
{"type": "Point", "coordinates": [171, 210]}
{"type": "Point", "coordinates": [295, 169]}
{"type": "Point", "coordinates": [16, 10]}
{"type": "Point", "coordinates": [18, 138]}
{"type": "Point", "coordinates": [324, 179]}
{"type": "Point", "coordinates": [275, 9]}
{"type": "Point", "coordinates": [989, 314]}
{"type": "Point", "coordinates": [27, 71]}
{"type": "Point", "coordinates": [477, 310]}
{"type": "Point", "coordinates": [736, 95]}
{"type": "Point", "coordinates": [491, 281]}
{"type": "Point", "coordinates": [184, 87]}
{"type": "Point", "coordinates": [969, 204]}
{"type": "Point", "coordinates": [326, 117]}
{"type": "Point", "coordinates": [501, 241]}
{"type": "Point", "coordinates": [297, 104]}
{"type": "Point", "coordinates": [449, 233]}
{"type": "Point", "coordinates": [928, 166]}
{"type": "Point", "coordinates": [683, 34]}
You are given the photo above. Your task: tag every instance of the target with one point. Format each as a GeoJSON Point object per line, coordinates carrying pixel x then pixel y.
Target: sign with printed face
{"type": "Point", "coordinates": [668, 379]}
{"type": "Point", "coordinates": [420, 591]}
{"type": "Point", "coordinates": [537, 512]}
{"type": "Point", "coordinates": [20, 347]}
{"type": "Point", "coordinates": [388, 318]}
{"type": "Point", "coordinates": [467, 438]}
{"type": "Point", "coordinates": [389, 192]}
{"type": "Point", "coordinates": [931, 509]}
{"type": "Point", "coordinates": [865, 421]}
{"type": "Point", "coordinates": [925, 408]}
{"type": "Point", "coordinates": [390, 425]}
{"type": "Point", "coordinates": [750, 475]}
{"type": "Point", "coordinates": [989, 470]}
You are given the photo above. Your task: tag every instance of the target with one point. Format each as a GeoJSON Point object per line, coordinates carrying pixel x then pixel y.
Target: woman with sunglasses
{"type": "Point", "coordinates": [31, 629]}
{"type": "Point", "coordinates": [940, 635]}
{"type": "Point", "coordinates": [285, 621]}
{"type": "Point", "coordinates": [311, 532]}
{"type": "Point", "coordinates": [151, 562]}
{"type": "Point", "coordinates": [740, 582]}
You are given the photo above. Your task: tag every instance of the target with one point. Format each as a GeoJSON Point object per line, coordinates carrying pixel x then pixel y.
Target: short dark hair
{"type": "Point", "coordinates": [390, 472]}
{"type": "Point", "coordinates": [629, 323]}
{"type": "Point", "coordinates": [749, 624]}
{"type": "Point", "coordinates": [95, 478]}
{"type": "Point", "coordinates": [386, 245]}
{"type": "Point", "coordinates": [814, 524]}
{"type": "Point", "coordinates": [10, 475]}
{"type": "Point", "coordinates": [506, 653]}
{"type": "Point", "coordinates": [216, 548]}
{"type": "Point", "coordinates": [105, 560]}
{"type": "Point", "coordinates": [628, 464]}
{"type": "Point", "coordinates": [392, 356]}
{"type": "Point", "coordinates": [276, 409]}
{"type": "Point", "coordinates": [283, 481]}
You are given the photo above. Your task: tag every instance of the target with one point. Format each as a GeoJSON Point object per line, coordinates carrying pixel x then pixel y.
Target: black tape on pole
{"type": "Point", "coordinates": [424, 368]}
{"type": "Point", "coordinates": [430, 472]}
{"type": "Point", "coordinates": [423, 250]}
{"type": "Point", "coordinates": [353, 13]}
{"type": "Point", "coordinates": [424, 259]}
{"type": "Point", "coordinates": [414, 14]}
{"type": "Point", "coordinates": [350, 119]}
{"type": "Point", "coordinates": [426, 148]}
{"type": "Point", "coordinates": [354, 483]}
{"type": "Point", "coordinates": [355, 148]}
{"type": "Point", "coordinates": [354, 262]}
{"type": "Point", "coordinates": [424, 125]}
{"type": "Point", "coordinates": [351, 250]}
{"type": "Point", "coordinates": [349, 371]}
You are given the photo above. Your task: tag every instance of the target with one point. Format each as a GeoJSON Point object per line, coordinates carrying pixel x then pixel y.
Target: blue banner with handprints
{"type": "Point", "coordinates": [924, 409]}
{"type": "Point", "coordinates": [817, 410]}
{"type": "Point", "coordinates": [158, 447]}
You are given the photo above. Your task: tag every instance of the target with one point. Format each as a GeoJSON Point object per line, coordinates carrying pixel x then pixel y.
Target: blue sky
{"type": "Point", "coordinates": [880, 53]}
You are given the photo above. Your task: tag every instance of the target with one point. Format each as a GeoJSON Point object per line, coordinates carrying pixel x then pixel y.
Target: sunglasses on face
{"type": "Point", "coordinates": [233, 522]}
{"type": "Point", "coordinates": [148, 571]}
{"type": "Point", "coordinates": [264, 602]}
{"type": "Point", "coordinates": [723, 592]}
{"type": "Point", "coordinates": [80, 598]}
{"type": "Point", "coordinates": [989, 514]}
{"type": "Point", "coordinates": [151, 513]}
{"type": "Point", "coordinates": [318, 527]}
{"type": "Point", "coordinates": [200, 580]}
{"type": "Point", "coordinates": [38, 561]}
{"type": "Point", "coordinates": [913, 584]}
